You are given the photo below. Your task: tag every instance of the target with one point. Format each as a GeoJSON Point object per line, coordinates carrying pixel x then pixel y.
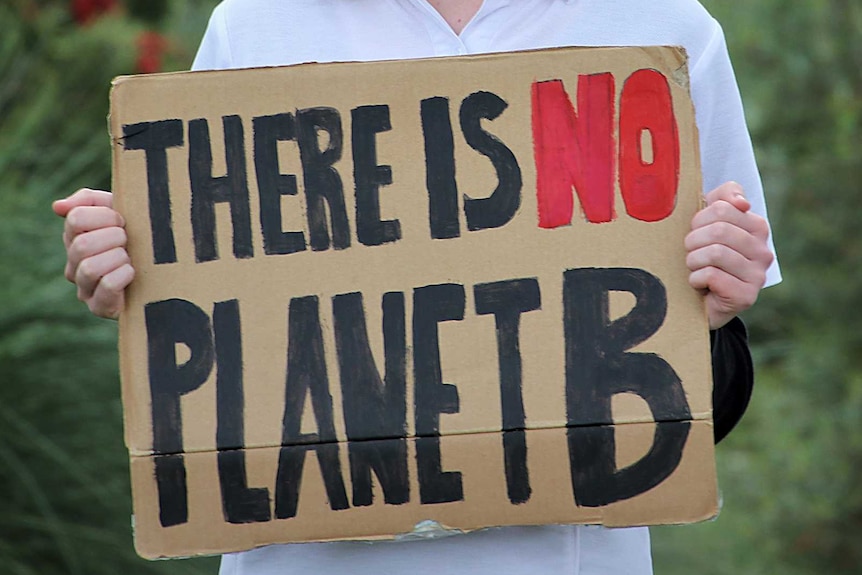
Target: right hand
{"type": "Point", "coordinates": [96, 258]}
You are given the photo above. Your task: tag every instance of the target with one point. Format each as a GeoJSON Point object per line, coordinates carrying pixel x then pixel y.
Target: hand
{"type": "Point", "coordinates": [96, 257]}
{"type": "Point", "coordinates": [727, 253]}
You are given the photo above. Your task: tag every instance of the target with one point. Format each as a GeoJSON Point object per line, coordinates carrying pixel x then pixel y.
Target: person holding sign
{"type": "Point", "coordinates": [729, 251]}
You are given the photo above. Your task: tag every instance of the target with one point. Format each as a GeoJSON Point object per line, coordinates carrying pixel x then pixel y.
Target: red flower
{"type": "Point", "coordinates": [84, 11]}
{"type": "Point", "coordinates": [151, 48]}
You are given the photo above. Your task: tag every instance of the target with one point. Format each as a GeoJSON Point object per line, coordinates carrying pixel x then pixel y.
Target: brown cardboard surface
{"type": "Point", "coordinates": [479, 457]}
{"type": "Point", "coordinates": [233, 349]}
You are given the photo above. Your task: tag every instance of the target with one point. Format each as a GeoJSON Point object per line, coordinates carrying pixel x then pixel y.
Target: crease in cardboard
{"type": "Point", "coordinates": [497, 432]}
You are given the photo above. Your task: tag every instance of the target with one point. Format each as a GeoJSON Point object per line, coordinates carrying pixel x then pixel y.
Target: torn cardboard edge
{"type": "Point", "coordinates": [687, 495]}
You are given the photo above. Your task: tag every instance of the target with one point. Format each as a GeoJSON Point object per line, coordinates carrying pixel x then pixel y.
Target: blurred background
{"type": "Point", "coordinates": [791, 474]}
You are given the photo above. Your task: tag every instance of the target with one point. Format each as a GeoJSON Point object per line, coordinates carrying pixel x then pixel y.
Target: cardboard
{"type": "Point", "coordinates": [372, 295]}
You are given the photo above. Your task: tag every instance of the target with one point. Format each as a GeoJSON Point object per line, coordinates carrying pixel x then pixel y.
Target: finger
{"type": "Point", "coordinates": [719, 211]}
{"type": "Point", "coordinates": [83, 197]}
{"type": "Point", "coordinates": [729, 261]}
{"type": "Point", "coordinates": [752, 246]}
{"type": "Point", "coordinates": [109, 296]}
{"type": "Point", "coordinates": [89, 244]}
{"type": "Point", "coordinates": [87, 218]}
{"type": "Point", "coordinates": [726, 295]}
{"type": "Point", "coordinates": [722, 211]}
{"type": "Point", "coordinates": [730, 192]}
{"type": "Point", "coordinates": [94, 268]}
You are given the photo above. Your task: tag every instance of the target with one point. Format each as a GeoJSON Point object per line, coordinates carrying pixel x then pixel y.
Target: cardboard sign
{"type": "Point", "coordinates": [370, 295]}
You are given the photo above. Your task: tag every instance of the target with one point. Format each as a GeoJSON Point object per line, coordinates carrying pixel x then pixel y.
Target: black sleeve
{"type": "Point", "coordinates": [732, 375]}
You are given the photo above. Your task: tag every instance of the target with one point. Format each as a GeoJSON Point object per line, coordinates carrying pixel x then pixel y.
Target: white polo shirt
{"type": "Point", "coordinates": [249, 33]}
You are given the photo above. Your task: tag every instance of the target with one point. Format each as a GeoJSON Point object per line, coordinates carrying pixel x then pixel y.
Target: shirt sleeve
{"type": "Point", "coordinates": [214, 51]}
{"type": "Point", "coordinates": [725, 145]}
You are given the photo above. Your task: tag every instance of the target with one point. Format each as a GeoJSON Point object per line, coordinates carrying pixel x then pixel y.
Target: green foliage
{"type": "Point", "coordinates": [152, 11]}
{"type": "Point", "coordinates": [791, 471]}
{"type": "Point", "coordinates": [63, 466]}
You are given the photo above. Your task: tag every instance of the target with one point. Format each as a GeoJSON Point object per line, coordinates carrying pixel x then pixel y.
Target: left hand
{"type": "Point", "coordinates": [727, 253]}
